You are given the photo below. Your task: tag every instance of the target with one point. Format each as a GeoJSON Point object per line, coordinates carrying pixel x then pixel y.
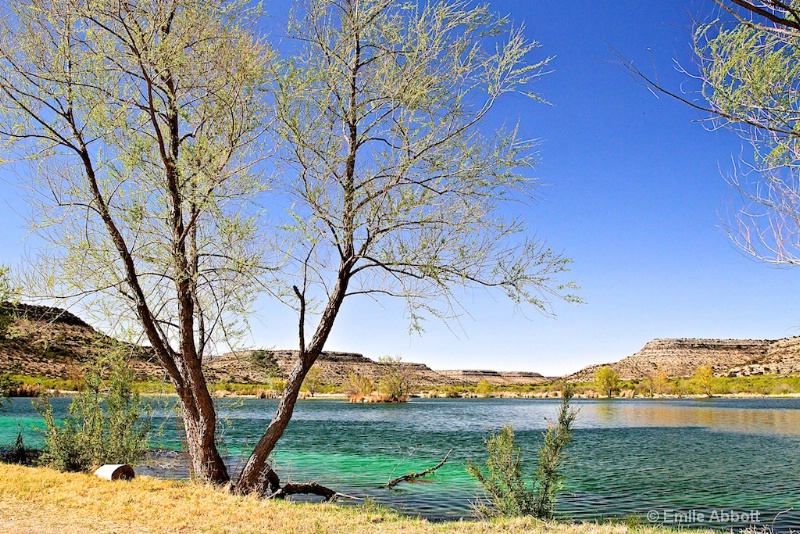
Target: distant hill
{"type": "Point", "coordinates": [727, 357]}
{"type": "Point", "coordinates": [259, 366]}
{"type": "Point", "coordinates": [54, 343]}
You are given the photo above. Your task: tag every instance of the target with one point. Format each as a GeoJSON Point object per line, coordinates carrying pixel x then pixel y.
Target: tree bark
{"type": "Point", "coordinates": [254, 475]}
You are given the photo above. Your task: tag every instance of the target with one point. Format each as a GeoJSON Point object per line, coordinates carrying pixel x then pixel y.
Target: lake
{"type": "Point", "coordinates": [716, 463]}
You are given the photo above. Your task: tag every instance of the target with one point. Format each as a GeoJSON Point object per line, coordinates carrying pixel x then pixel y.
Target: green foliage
{"type": "Point", "coordinates": [551, 456]}
{"type": "Point", "coordinates": [265, 359]}
{"type": "Point", "coordinates": [414, 185]}
{"type": "Point", "coordinates": [508, 492]}
{"type": "Point", "coordinates": [703, 380]}
{"type": "Point", "coordinates": [359, 386]}
{"type": "Point", "coordinates": [6, 295]}
{"type": "Point", "coordinates": [504, 480]}
{"type": "Point", "coordinates": [607, 380]}
{"type": "Point", "coordinates": [484, 388]}
{"type": "Point", "coordinates": [679, 388]}
{"type": "Point", "coordinates": [750, 69]}
{"type": "Point", "coordinates": [8, 385]}
{"type": "Point", "coordinates": [103, 425]}
{"type": "Point", "coordinates": [313, 381]}
{"type": "Point", "coordinates": [395, 385]}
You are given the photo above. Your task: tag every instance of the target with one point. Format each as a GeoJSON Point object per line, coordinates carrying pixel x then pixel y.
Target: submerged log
{"type": "Point", "coordinates": [414, 476]}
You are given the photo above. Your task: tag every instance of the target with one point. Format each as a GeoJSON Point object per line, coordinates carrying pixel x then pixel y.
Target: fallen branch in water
{"type": "Point", "coordinates": [413, 476]}
{"type": "Point", "coordinates": [304, 488]}
{"type": "Point", "coordinates": [308, 488]}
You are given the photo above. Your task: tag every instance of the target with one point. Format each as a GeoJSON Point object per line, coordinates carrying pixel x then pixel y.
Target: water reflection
{"type": "Point", "coordinates": [767, 417]}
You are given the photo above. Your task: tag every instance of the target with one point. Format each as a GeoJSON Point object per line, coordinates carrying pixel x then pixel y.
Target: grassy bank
{"type": "Point", "coordinates": [762, 385]}
{"type": "Point", "coordinates": [45, 501]}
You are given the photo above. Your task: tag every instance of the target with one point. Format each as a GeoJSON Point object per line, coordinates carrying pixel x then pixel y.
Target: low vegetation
{"type": "Point", "coordinates": [358, 387]}
{"type": "Point", "coordinates": [103, 425]}
{"type": "Point", "coordinates": [658, 385]}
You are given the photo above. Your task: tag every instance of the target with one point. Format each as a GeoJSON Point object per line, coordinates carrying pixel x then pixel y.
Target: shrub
{"type": "Point", "coordinates": [359, 386]}
{"type": "Point", "coordinates": [91, 435]}
{"type": "Point", "coordinates": [508, 493]}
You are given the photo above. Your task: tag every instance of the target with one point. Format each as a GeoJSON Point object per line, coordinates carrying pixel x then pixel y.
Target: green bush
{"type": "Point", "coordinates": [266, 360]}
{"type": "Point", "coordinates": [509, 494]}
{"type": "Point", "coordinates": [104, 423]}
{"type": "Point", "coordinates": [396, 383]}
{"type": "Point", "coordinates": [8, 385]}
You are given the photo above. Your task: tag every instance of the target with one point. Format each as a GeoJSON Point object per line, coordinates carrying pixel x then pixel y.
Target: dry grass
{"type": "Point", "coordinates": [39, 500]}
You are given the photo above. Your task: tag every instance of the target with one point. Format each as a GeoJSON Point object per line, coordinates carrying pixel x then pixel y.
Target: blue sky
{"type": "Point", "coordinates": [635, 195]}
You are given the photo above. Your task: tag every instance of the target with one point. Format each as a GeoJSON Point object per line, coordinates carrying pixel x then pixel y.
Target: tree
{"type": "Point", "coordinates": [703, 379]}
{"type": "Point", "coordinates": [484, 388]}
{"type": "Point", "coordinates": [359, 386]}
{"type": "Point", "coordinates": [607, 380]}
{"type": "Point", "coordinates": [313, 380]}
{"type": "Point", "coordinates": [748, 68]}
{"type": "Point", "coordinates": [750, 73]}
{"type": "Point", "coordinates": [397, 380]}
{"type": "Point", "coordinates": [136, 120]}
{"type": "Point", "coordinates": [396, 188]}
{"type": "Point", "coordinates": [660, 381]}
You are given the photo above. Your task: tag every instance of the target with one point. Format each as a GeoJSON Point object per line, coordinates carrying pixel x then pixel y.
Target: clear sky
{"type": "Point", "coordinates": [635, 195]}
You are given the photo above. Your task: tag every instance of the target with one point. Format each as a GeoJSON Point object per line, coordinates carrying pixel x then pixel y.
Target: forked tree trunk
{"type": "Point", "coordinates": [199, 423]}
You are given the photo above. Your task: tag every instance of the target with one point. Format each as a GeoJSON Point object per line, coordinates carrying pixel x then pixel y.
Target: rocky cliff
{"type": "Point", "coordinates": [473, 376]}
{"type": "Point", "coordinates": [727, 357]}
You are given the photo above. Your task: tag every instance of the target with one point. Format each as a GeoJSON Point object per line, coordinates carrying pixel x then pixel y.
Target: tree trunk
{"type": "Point", "coordinates": [254, 476]}
{"type": "Point", "coordinates": [199, 423]}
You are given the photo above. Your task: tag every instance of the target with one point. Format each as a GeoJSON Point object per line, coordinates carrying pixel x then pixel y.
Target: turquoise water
{"type": "Point", "coordinates": [671, 459]}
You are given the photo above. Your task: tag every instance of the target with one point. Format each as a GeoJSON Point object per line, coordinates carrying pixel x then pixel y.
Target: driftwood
{"type": "Point", "coordinates": [276, 491]}
{"type": "Point", "coordinates": [413, 476]}
{"type": "Point", "coordinates": [308, 488]}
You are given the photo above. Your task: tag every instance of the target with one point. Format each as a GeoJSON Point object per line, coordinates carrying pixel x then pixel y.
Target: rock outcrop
{"type": "Point", "coordinates": [727, 357]}
{"type": "Point", "coordinates": [473, 376]}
